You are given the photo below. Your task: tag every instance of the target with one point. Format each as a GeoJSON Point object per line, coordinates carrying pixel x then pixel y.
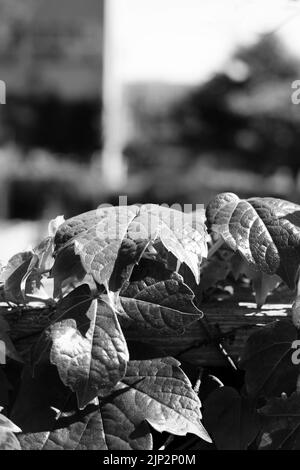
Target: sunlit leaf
{"type": "Point", "coordinates": [265, 231]}
{"type": "Point", "coordinates": [87, 346]}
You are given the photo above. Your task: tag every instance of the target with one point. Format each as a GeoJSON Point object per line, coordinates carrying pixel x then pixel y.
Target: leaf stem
{"type": "Point", "coordinates": [199, 379]}
{"type": "Point", "coordinates": [167, 442]}
{"type": "Point", "coordinates": [215, 247]}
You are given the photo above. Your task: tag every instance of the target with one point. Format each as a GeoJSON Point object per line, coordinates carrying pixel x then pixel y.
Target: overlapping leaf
{"type": "Point", "coordinates": [87, 346]}
{"type": "Point", "coordinates": [23, 275]}
{"type": "Point", "coordinates": [156, 391]}
{"type": "Point", "coordinates": [267, 360]}
{"type": "Point", "coordinates": [165, 397]}
{"type": "Point", "coordinates": [164, 307]}
{"type": "Point", "coordinates": [50, 420]}
{"type": "Point", "coordinates": [112, 240]}
{"type": "Point", "coordinates": [266, 231]}
{"type": "Point", "coordinates": [96, 237]}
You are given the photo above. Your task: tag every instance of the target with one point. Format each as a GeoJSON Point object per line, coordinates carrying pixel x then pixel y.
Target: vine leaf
{"type": "Point", "coordinates": [96, 237]}
{"type": "Point", "coordinates": [164, 307]}
{"type": "Point", "coordinates": [281, 424]}
{"type": "Point", "coordinates": [265, 231]}
{"type": "Point", "coordinates": [165, 397]}
{"type": "Point", "coordinates": [110, 241]}
{"type": "Point", "coordinates": [182, 234]}
{"type": "Point", "coordinates": [95, 428]}
{"type": "Point", "coordinates": [156, 391]}
{"type": "Point", "coordinates": [87, 346]}
{"type": "Point", "coordinates": [230, 419]}
{"type": "Point", "coordinates": [47, 412]}
{"type": "Point", "coordinates": [267, 360]}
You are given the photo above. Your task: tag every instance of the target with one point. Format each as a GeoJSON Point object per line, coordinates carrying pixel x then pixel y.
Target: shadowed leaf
{"type": "Point", "coordinates": [164, 307]}
{"type": "Point", "coordinates": [281, 424]}
{"type": "Point", "coordinates": [230, 420]}
{"type": "Point", "coordinates": [267, 360]}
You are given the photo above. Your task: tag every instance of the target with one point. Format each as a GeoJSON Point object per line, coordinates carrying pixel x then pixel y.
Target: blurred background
{"type": "Point", "coordinates": [165, 101]}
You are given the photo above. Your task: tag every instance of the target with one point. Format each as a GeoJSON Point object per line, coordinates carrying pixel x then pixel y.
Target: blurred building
{"type": "Point", "coordinates": [51, 60]}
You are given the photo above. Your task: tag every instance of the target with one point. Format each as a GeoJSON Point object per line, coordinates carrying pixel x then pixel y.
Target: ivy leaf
{"type": "Point", "coordinates": [230, 419]}
{"type": "Point", "coordinates": [8, 440]}
{"type": "Point", "coordinates": [88, 346]}
{"type": "Point", "coordinates": [265, 231]}
{"type": "Point", "coordinates": [112, 240]}
{"type": "Point", "coordinates": [91, 365]}
{"type": "Point", "coordinates": [97, 237]}
{"type": "Point", "coordinates": [162, 307]}
{"type": "Point", "coordinates": [281, 424]}
{"type": "Point", "coordinates": [95, 428]}
{"type": "Point", "coordinates": [165, 397]}
{"type": "Point", "coordinates": [156, 391]}
{"type": "Point", "coordinates": [46, 410]}
{"type": "Point", "coordinates": [267, 360]}
{"type": "Point", "coordinates": [183, 234]}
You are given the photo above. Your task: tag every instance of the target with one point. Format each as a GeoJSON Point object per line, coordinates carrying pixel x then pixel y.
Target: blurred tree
{"type": "Point", "coordinates": [246, 111]}
{"type": "Point", "coordinates": [243, 115]}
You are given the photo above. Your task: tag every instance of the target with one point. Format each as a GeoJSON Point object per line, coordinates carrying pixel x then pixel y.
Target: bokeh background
{"type": "Point", "coordinates": [165, 101]}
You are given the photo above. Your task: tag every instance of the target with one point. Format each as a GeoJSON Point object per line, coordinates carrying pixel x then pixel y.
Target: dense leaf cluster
{"type": "Point", "coordinates": [74, 377]}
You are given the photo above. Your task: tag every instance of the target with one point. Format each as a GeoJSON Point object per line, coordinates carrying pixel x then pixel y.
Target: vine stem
{"type": "Point", "coordinates": [210, 334]}
{"type": "Point", "coordinates": [167, 442]}
{"type": "Point", "coordinates": [199, 379]}
{"type": "Point", "coordinates": [215, 247]}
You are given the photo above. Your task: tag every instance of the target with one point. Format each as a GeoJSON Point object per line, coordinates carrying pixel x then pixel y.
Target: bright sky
{"type": "Point", "coordinates": [187, 40]}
